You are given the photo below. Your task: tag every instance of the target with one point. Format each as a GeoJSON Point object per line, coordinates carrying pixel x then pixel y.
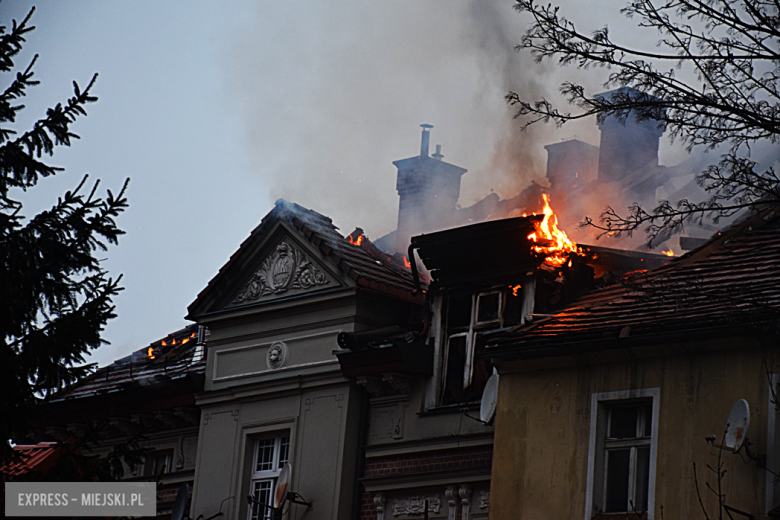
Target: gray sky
{"type": "Point", "coordinates": [216, 109]}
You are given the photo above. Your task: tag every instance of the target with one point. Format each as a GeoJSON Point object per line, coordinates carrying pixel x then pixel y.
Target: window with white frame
{"type": "Point", "coordinates": [468, 316]}
{"type": "Point", "coordinates": [621, 460]}
{"type": "Point", "coordinates": [158, 463]}
{"type": "Point", "coordinates": [270, 455]}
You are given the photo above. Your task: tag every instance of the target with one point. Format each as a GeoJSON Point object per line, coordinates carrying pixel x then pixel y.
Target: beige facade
{"type": "Point", "coordinates": [545, 437]}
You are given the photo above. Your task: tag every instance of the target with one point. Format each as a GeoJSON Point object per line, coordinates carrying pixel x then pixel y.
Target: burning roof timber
{"type": "Point", "coordinates": [164, 375]}
{"type": "Point", "coordinates": [498, 252]}
{"type": "Point", "coordinates": [729, 286]}
{"type": "Point", "coordinates": [171, 357]}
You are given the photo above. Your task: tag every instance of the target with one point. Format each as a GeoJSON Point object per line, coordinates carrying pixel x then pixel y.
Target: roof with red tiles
{"type": "Point", "coordinates": [366, 264]}
{"type": "Point", "coordinates": [733, 281]}
{"type": "Point", "coordinates": [34, 457]}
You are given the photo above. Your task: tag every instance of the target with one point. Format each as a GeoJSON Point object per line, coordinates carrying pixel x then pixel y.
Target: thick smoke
{"type": "Point", "coordinates": [330, 96]}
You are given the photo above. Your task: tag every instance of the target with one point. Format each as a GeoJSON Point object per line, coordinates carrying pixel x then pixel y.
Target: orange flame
{"type": "Point", "coordinates": [355, 242]}
{"type": "Point", "coordinates": [559, 246]}
{"type": "Point", "coordinates": [150, 352]}
{"type": "Point", "coordinates": [668, 252]}
{"type": "Point", "coordinates": [180, 342]}
{"type": "Point", "coordinates": [407, 264]}
{"type": "Point", "coordinates": [515, 289]}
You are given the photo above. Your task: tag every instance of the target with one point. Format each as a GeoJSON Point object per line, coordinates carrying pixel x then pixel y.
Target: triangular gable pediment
{"type": "Point", "coordinates": [287, 269]}
{"type": "Point", "coordinates": [276, 262]}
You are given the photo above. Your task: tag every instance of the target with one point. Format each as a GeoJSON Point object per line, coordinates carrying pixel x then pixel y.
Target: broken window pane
{"type": "Point", "coordinates": [488, 307]}
{"type": "Point", "coordinates": [456, 363]}
{"type": "Point", "coordinates": [459, 312]}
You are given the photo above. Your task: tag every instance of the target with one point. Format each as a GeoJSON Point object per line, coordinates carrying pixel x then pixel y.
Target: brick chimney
{"type": "Point", "coordinates": [626, 147]}
{"type": "Point", "coordinates": [428, 189]}
{"type": "Point", "coordinates": [571, 165]}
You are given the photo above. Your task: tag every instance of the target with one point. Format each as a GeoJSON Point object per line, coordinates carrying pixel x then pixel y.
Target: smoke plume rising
{"type": "Point", "coordinates": [331, 96]}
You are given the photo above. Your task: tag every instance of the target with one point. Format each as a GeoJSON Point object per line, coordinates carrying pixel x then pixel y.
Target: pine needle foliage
{"type": "Point", "coordinates": [55, 297]}
{"type": "Point", "coordinates": [711, 80]}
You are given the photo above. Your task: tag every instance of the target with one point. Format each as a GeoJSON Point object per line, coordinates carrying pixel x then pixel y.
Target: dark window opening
{"type": "Point", "coordinates": [456, 364]}
{"type": "Point", "coordinates": [627, 457]}
{"type": "Point", "coordinates": [488, 307]}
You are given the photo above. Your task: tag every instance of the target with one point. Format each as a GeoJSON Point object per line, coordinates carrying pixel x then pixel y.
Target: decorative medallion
{"type": "Point", "coordinates": [416, 505]}
{"type": "Point", "coordinates": [287, 268]}
{"type": "Point", "coordinates": [276, 355]}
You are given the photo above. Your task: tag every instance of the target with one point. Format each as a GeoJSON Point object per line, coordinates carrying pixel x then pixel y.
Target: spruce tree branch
{"type": "Point", "coordinates": [18, 165]}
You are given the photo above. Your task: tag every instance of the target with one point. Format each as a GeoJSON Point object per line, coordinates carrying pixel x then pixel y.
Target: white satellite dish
{"type": "Point", "coordinates": [739, 421]}
{"type": "Point", "coordinates": [282, 485]}
{"type": "Point", "coordinates": [487, 410]}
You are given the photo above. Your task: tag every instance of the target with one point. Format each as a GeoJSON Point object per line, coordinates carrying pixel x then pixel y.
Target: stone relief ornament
{"type": "Point", "coordinates": [484, 499]}
{"type": "Point", "coordinates": [452, 496]}
{"type": "Point", "coordinates": [379, 501]}
{"type": "Point", "coordinates": [276, 355]}
{"type": "Point", "coordinates": [416, 505]}
{"type": "Point", "coordinates": [286, 268]}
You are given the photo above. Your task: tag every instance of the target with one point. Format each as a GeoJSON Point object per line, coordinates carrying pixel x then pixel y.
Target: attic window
{"type": "Point", "coordinates": [467, 318]}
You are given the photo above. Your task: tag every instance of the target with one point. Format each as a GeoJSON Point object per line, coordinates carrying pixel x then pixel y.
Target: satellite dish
{"type": "Point", "coordinates": [487, 410]}
{"type": "Point", "coordinates": [182, 496]}
{"type": "Point", "coordinates": [739, 421]}
{"type": "Point", "coordinates": [282, 485]}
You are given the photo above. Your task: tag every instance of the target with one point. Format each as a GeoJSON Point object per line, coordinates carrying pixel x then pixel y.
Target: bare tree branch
{"type": "Point", "coordinates": [731, 47]}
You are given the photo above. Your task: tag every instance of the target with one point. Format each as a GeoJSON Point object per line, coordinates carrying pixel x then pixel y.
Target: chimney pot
{"type": "Point", "coordinates": [426, 138]}
{"type": "Point", "coordinates": [438, 156]}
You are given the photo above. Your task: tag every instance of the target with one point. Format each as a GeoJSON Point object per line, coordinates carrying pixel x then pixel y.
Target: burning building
{"type": "Point", "coordinates": [426, 443]}
{"type": "Point", "coordinates": [352, 371]}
